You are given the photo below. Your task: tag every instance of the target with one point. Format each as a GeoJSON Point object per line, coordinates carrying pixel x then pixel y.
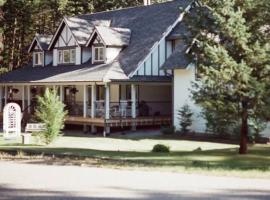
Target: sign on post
{"type": "Point", "coordinates": [12, 120]}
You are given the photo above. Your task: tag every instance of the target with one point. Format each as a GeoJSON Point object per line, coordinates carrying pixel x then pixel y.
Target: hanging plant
{"type": "Point", "coordinates": [74, 90]}
{"type": "Point", "coordinates": [34, 90]}
{"type": "Point", "coordinates": [15, 90]}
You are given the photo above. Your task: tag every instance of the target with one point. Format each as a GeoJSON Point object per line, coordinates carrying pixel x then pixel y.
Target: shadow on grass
{"type": "Point", "coordinates": [220, 159]}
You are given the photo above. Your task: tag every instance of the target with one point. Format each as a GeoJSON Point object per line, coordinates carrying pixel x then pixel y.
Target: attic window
{"type": "Point", "coordinates": [99, 54]}
{"type": "Point", "coordinates": [66, 56]}
{"type": "Point", "coordinates": [38, 58]}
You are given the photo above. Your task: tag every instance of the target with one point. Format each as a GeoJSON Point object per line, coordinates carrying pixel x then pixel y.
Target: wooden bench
{"type": "Point", "coordinates": [35, 127]}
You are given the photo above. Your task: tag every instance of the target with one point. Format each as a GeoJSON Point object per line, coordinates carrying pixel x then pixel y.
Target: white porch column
{"type": "Point", "coordinates": [1, 98]}
{"type": "Point", "coordinates": [133, 106]}
{"type": "Point", "coordinates": [85, 107]}
{"type": "Point", "coordinates": [107, 108]}
{"type": "Point", "coordinates": [107, 101]}
{"type": "Point", "coordinates": [93, 105]}
{"type": "Point", "coordinates": [23, 98]}
{"type": "Point", "coordinates": [61, 88]}
{"type": "Point", "coordinates": [85, 95]}
{"type": "Point", "coordinates": [28, 98]}
{"type": "Point", "coordinates": [6, 94]}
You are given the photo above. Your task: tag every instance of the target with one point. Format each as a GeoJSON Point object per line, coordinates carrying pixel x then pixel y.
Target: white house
{"type": "Point", "coordinates": [119, 68]}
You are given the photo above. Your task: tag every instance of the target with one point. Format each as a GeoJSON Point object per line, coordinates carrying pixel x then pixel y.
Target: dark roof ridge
{"type": "Point", "coordinates": [131, 7]}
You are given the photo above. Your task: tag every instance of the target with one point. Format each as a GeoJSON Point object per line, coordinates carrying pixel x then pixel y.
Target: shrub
{"type": "Point", "coordinates": [168, 130]}
{"type": "Point", "coordinates": [3, 70]}
{"type": "Point", "coordinates": [50, 111]}
{"type": "Point", "coordinates": [185, 117]}
{"type": "Point", "coordinates": [160, 148]}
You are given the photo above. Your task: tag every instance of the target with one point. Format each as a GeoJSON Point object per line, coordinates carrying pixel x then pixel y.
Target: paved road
{"type": "Point", "coordinates": [42, 182]}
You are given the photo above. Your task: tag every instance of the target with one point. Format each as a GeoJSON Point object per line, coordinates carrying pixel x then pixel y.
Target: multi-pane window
{"type": "Point", "coordinates": [99, 54]}
{"type": "Point", "coordinates": [66, 56]}
{"type": "Point", "coordinates": [38, 58]}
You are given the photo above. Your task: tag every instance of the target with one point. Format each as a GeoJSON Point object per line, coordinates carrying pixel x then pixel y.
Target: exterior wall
{"type": "Point", "coordinates": [48, 57]}
{"type": "Point", "coordinates": [112, 53]}
{"type": "Point", "coordinates": [114, 93]}
{"type": "Point", "coordinates": [157, 97]}
{"type": "Point", "coordinates": [66, 40]}
{"type": "Point", "coordinates": [55, 54]}
{"type": "Point", "coordinates": [181, 90]}
{"type": "Point", "coordinates": [151, 66]}
{"type": "Point", "coordinates": [86, 54]}
{"type": "Point", "coordinates": [78, 59]}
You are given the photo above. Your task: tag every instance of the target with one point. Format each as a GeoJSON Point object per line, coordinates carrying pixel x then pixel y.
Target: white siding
{"type": "Point", "coordinates": [112, 53]}
{"type": "Point", "coordinates": [148, 70]}
{"type": "Point", "coordinates": [169, 48]}
{"type": "Point", "coordinates": [182, 84]}
{"type": "Point", "coordinates": [114, 92]}
{"type": "Point", "coordinates": [61, 42]}
{"type": "Point", "coordinates": [86, 54]}
{"type": "Point", "coordinates": [48, 58]}
{"type": "Point", "coordinates": [55, 57]}
{"type": "Point", "coordinates": [141, 70]}
{"type": "Point", "coordinates": [155, 63]}
{"type": "Point", "coordinates": [78, 56]}
{"type": "Point", "coordinates": [162, 53]}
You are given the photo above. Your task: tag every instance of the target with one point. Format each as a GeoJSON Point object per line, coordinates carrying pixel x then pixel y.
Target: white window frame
{"type": "Point", "coordinates": [72, 59]}
{"type": "Point", "coordinates": [61, 59]}
{"type": "Point", "coordinates": [67, 53]}
{"type": "Point", "coordinates": [39, 61]}
{"type": "Point", "coordinates": [99, 59]}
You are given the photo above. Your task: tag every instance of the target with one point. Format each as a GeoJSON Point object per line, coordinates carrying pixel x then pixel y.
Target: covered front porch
{"type": "Point", "coordinates": [105, 105]}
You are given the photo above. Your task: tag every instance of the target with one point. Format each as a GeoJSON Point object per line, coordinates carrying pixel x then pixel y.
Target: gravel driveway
{"type": "Point", "coordinates": [33, 181]}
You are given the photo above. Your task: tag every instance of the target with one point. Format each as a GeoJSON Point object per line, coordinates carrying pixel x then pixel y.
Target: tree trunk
{"type": "Point", "coordinates": [244, 130]}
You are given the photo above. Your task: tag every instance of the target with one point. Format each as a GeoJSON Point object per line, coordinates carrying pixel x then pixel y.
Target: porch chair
{"type": "Point", "coordinates": [123, 108]}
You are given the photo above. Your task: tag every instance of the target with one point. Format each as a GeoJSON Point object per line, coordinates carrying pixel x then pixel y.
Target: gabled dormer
{"type": "Point", "coordinates": [39, 48]}
{"type": "Point", "coordinates": [107, 42]}
{"type": "Point", "coordinates": [69, 41]}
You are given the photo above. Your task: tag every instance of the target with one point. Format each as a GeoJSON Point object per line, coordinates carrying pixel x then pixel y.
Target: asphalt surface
{"type": "Point", "coordinates": [44, 182]}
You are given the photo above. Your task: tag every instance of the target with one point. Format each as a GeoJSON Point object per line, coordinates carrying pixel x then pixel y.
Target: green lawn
{"type": "Point", "coordinates": [136, 152]}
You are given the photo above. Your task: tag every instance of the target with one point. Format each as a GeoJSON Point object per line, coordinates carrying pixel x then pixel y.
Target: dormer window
{"type": "Point", "coordinates": [38, 58]}
{"type": "Point", "coordinates": [66, 56]}
{"type": "Point", "coordinates": [99, 54]}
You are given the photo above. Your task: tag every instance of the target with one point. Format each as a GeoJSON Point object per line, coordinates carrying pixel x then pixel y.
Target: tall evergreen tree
{"type": "Point", "coordinates": [234, 60]}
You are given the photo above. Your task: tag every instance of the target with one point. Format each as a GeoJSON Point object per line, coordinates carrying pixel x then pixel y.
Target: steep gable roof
{"type": "Point", "coordinates": [148, 24]}
{"type": "Point", "coordinates": [112, 36]}
{"type": "Point", "coordinates": [179, 59]}
{"type": "Point", "coordinates": [42, 41]}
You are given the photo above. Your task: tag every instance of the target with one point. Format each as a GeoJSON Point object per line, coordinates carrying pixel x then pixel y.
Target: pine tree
{"type": "Point", "coordinates": [234, 62]}
{"type": "Point", "coordinates": [50, 111]}
{"type": "Point", "coordinates": [185, 117]}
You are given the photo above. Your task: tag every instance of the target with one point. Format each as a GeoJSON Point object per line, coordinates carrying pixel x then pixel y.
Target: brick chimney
{"type": "Point", "coordinates": [147, 2]}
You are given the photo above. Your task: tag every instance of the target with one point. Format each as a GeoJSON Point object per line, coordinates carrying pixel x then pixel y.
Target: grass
{"type": "Point", "coordinates": [135, 152]}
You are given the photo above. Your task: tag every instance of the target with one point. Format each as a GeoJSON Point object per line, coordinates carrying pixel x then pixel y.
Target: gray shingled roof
{"type": "Point", "coordinates": [147, 24]}
{"type": "Point", "coordinates": [114, 36]}
{"type": "Point", "coordinates": [179, 32]}
{"type": "Point", "coordinates": [42, 40]}
{"type": "Point", "coordinates": [178, 59]}
{"type": "Point", "coordinates": [82, 73]}
{"type": "Point", "coordinates": [80, 28]}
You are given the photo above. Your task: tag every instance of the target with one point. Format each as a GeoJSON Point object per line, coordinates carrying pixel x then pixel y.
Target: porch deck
{"type": "Point", "coordinates": [120, 122]}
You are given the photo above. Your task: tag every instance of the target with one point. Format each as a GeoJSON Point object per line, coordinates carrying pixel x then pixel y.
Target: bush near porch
{"type": "Point", "coordinates": [135, 152]}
